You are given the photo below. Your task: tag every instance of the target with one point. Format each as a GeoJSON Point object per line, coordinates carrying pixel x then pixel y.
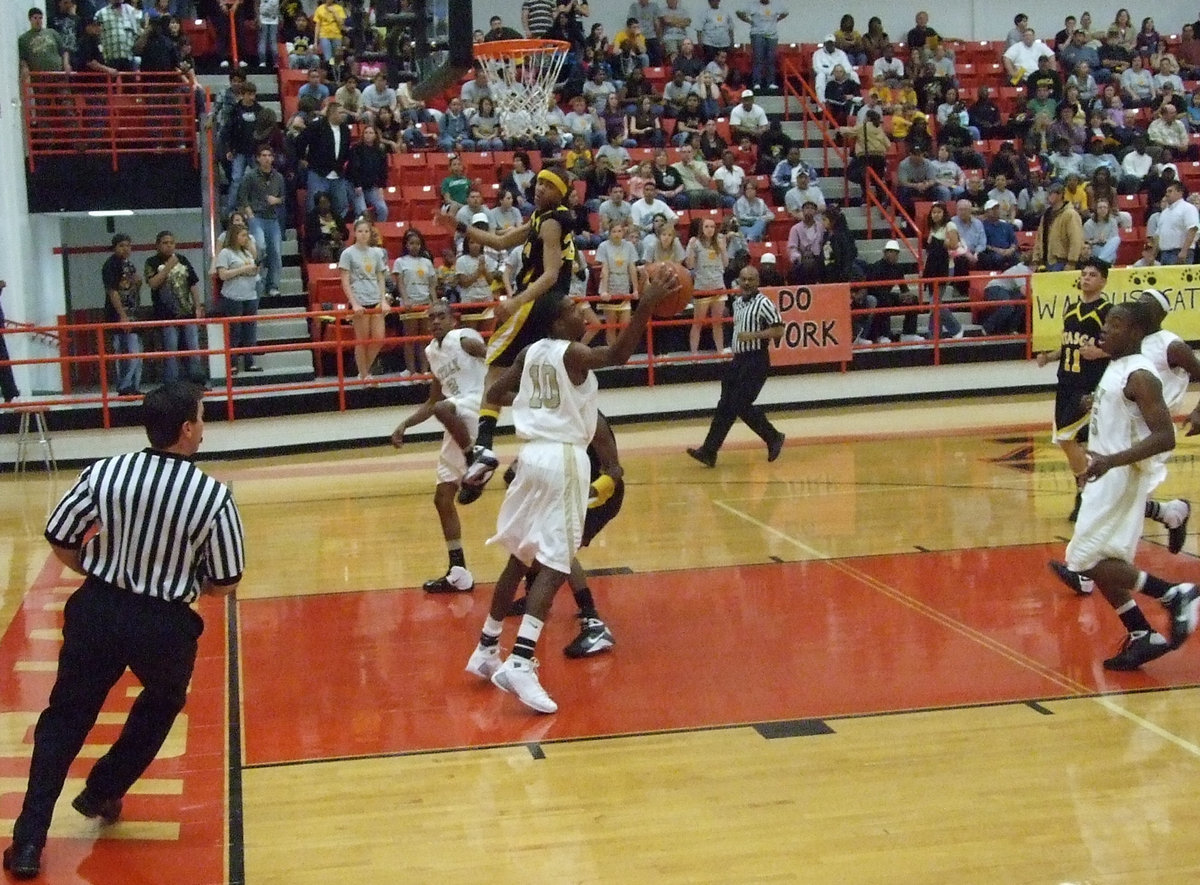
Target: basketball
{"type": "Point", "coordinates": [674, 303]}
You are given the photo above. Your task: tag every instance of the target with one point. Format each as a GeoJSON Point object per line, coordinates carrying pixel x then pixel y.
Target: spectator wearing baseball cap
{"type": "Point", "coordinates": [1059, 241]}
{"type": "Point", "coordinates": [827, 57]}
{"type": "Point", "coordinates": [892, 290]}
{"type": "Point", "coordinates": [747, 118]}
{"type": "Point", "coordinates": [1001, 237]}
{"type": "Point", "coordinates": [768, 270]}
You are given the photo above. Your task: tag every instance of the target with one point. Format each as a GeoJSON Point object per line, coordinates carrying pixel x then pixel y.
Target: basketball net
{"type": "Point", "coordinates": [521, 76]}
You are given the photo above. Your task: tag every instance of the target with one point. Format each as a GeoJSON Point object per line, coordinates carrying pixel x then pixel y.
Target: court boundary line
{"type": "Point", "coordinates": [235, 814]}
{"type": "Point", "coordinates": [1095, 697]}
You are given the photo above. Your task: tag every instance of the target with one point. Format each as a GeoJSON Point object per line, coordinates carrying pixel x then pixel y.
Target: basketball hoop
{"type": "Point", "coordinates": [521, 77]}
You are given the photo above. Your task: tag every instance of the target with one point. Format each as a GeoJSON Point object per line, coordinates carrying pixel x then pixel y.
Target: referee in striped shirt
{"type": "Point", "coordinates": [150, 532]}
{"type": "Point", "coordinates": [756, 321]}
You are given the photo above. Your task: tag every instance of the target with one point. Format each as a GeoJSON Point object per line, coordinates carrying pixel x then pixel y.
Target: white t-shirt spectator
{"type": "Point", "coordinates": [643, 213]}
{"type": "Point", "coordinates": [730, 180]}
{"type": "Point", "coordinates": [1026, 57]}
{"type": "Point", "coordinates": [1174, 222]}
{"type": "Point", "coordinates": [747, 119]}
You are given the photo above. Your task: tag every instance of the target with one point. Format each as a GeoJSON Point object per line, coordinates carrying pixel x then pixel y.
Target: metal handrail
{"type": "Point", "coordinates": [99, 114]}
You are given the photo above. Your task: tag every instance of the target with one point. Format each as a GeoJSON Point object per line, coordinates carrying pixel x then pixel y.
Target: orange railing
{"type": "Point", "coordinates": [814, 114]}
{"type": "Point", "coordinates": [973, 285]}
{"type": "Point", "coordinates": [132, 113]}
{"type": "Point", "coordinates": [85, 346]}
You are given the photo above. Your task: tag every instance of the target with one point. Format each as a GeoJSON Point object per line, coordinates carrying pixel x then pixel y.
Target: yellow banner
{"type": "Point", "coordinates": [1053, 293]}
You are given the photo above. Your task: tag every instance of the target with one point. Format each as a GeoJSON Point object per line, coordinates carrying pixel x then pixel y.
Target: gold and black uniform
{"type": "Point", "coordinates": [533, 320]}
{"type": "Point", "coordinates": [1078, 377]}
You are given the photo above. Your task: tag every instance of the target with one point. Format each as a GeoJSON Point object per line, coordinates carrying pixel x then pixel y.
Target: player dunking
{"type": "Point", "coordinates": [1080, 364]}
{"type": "Point", "coordinates": [542, 516]}
{"type": "Point", "coordinates": [1176, 366]}
{"type": "Point", "coordinates": [456, 360]}
{"type": "Point", "coordinates": [545, 278]}
{"type": "Point", "coordinates": [1129, 435]}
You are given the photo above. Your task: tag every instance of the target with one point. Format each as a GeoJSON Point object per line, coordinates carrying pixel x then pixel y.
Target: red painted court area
{"type": "Point", "coordinates": [173, 828]}
{"type": "Point", "coordinates": [381, 672]}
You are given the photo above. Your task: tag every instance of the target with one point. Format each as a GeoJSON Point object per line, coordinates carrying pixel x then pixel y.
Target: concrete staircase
{"type": "Point", "coordinates": [849, 196]}
{"type": "Point", "coordinates": [292, 366]}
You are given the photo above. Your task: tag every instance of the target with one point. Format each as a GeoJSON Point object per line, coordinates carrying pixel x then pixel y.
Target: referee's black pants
{"type": "Point", "coordinates": [105, 630]}
{"type": "Point", "coordinates": [743, 381]}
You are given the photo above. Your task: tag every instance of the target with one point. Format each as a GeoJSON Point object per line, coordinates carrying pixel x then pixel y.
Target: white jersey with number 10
{"type": "Point", "coordinates": [548, 406]}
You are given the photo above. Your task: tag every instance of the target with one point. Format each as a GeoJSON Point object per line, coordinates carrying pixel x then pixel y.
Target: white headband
{"type": "Point", "coordinates": [1160, 298]}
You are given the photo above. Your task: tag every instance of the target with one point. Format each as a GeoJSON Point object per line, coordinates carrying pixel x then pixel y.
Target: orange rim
{"type": "Point", "coordinates": [500, 50]}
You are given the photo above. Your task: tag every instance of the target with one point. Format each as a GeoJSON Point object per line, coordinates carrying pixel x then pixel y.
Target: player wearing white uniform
{"type": "Point", "coordinates": [542, 516]}
{"type": "Point", "coordinates": [1129, 435]}
{"type": "Point", "coordinates": [1176, 366]}
{"type": "Point", "coordinates": [456, 360]}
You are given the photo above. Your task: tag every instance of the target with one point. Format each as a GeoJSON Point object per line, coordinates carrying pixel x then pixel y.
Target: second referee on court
{"type": "Point", "coordinates": [164, 533]}
{"type": "Point", "coordinates": [756, 323]}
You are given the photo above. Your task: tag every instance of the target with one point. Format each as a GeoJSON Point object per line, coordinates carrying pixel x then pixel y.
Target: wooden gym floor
{"type": "Point", "coordinates": [850, 666]}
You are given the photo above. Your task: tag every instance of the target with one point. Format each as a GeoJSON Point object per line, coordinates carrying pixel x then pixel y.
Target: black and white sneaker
{"type": "Point", "coordinates": [594, 637]}
{"type": "Point", "coordinates": [1137, 650]}
{"type": "Point", "coordinates": [1070, 578]}
{"type": "Point", "coordinates": [482, 463]}
{"type": "Point", "coordinates": [1184, 606]}
{"type": "Point", "coordinates": [456, 580]}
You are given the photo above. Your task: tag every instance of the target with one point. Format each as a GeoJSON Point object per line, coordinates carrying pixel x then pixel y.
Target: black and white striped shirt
{"type": "Point", "coordinates": [754, 314]}
{"type": "Point", "coordinates": [539, 16]}
{"type": "Point", "coordinates": [164, 527]}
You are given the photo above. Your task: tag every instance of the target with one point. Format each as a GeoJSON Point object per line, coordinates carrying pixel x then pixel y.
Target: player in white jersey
{"type": "Point", "coordinates": [1129, 432]}
{"type": "Point", "coordinates": [456, 360]}
{"type": "Point", "coordinates": [1176, 366]}
{"type": "Point", "coordinates": [542, 516]}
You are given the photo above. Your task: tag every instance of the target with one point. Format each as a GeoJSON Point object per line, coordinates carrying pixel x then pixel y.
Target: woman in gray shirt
{"type": "Point", "coordinates": [363, 267]}
{"type": "Point", "coordinates": [617, 258]}
{"type": "Point", "coordinates": [238, 272]}
{"type": "Point", "coordinates": [706, 259]}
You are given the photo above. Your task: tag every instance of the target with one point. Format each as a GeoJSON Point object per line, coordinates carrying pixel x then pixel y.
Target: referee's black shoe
{"type": "Point", "coordinates": [775, 447]}
{"type": "Point", "coordinates": [23, 860]}
{"type": "Point", "coordinates": [108, 810]}
{"type": "Point", "coordinates": [706, 458]}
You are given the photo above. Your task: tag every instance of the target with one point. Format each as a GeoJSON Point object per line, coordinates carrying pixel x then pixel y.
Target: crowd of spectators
{"type": "Point", "coordinates": [1048, 144]}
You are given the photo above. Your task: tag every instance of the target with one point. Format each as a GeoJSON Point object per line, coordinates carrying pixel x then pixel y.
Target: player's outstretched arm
{"type": "Point", "coordinates": [1145, 390]}
{"type": "Point", "coordinates": [423, 413]}
{"type": "Point", "coordinates": [579, 359]}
